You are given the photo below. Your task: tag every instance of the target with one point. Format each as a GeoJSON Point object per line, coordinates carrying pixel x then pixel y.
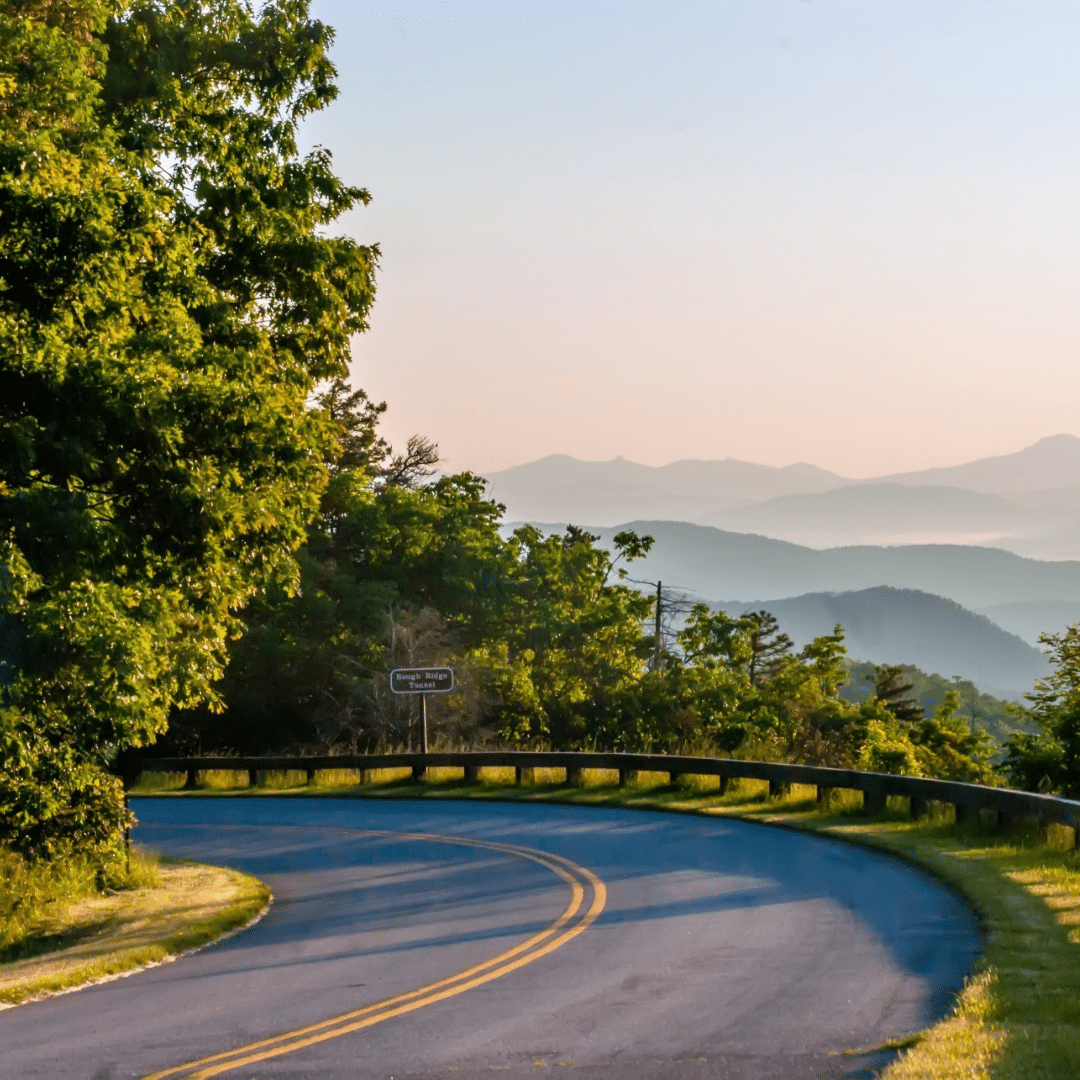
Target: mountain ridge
{"type": "Point", "coordinates": [1036, 512]}
{"type": "Point", "coordinates": [713, 562]}
{"type": "Point", "coordinates": [886, 625]}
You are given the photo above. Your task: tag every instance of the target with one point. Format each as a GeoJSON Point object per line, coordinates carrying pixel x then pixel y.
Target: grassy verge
{"type": "Point", "coordinates": [172, 907]}
{"type": "Point", "coordinates": [1018, 1018]}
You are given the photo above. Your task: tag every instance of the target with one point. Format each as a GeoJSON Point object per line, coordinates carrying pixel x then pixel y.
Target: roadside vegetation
{"type": "Point", "coordinates": [62, 926]}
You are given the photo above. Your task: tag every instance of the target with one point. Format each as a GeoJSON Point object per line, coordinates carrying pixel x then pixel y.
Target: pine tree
{"type": "Point", "coordinates": [895, 694]}
{"type": "Point", "coordinates": [770, 646]}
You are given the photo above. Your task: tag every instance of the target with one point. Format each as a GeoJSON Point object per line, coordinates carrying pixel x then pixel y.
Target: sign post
{"type": "Point", "coordinates": [422, 681]}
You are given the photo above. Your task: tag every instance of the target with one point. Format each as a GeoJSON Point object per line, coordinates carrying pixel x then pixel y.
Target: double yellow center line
{"type": "Point", "coordinates": [568, 925]}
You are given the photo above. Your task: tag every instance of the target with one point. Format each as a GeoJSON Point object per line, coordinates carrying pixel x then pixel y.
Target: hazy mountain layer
{"type": "Point", "coordinates": [1030, 618]}
{"type": "Point", "coordinates": [884, 513]}
{"type": "Point", "coordinates": [714, 563]}
{"type": "Point", "coordinates": [906, 626]}
{"type": "Point", "coordinates": [1051, 462]}
{"type": "Point", "coordinates": [1028, 502]}
{"type": "Point", "coordinates": [560, 488]}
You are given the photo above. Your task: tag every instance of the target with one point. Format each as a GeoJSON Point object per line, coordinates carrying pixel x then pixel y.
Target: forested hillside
{"type": "Point", "coordinates": [907, 626]}
{"type": "Point", "coordinates": [989, 713]}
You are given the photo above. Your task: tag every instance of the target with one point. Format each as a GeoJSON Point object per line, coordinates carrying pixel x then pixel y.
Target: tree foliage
{"type": "Point", "coordinates": [168, 299]}
{"type": "Point", "coordinates": [895, 693]}
{"type": "Point", "coordinates": [1049, 760]}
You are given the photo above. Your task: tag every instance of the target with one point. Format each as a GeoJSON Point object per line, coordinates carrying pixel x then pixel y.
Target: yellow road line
{"type": "Point", "coordinates": [533, 948]}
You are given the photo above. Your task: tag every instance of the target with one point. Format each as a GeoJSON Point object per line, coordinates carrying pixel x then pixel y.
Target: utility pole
{"type": "Point", "coordinates": [659, 628]}
{"type": "Point", "coordinates": [958, 680]}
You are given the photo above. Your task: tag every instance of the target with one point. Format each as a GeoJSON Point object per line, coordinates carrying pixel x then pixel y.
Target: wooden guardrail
{"type": "Point", "coordinates": [1009, 805]}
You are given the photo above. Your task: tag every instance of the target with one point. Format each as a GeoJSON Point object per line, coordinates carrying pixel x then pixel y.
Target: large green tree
{"type": "Point", "coordinates": [169, 296]}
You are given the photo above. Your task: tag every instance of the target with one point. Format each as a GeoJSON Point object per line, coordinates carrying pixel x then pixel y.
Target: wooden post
{"type": "Point", "coordinates": [192, 781]}
{"type": "Point", "coordinates": [673, 778]}
{"type": "Point", "coordinates": [919, 806]}
{"type": "Point", "coordinates": [420, 771]}
{"type": "Point", "coordinates": [626, 776]}
{"type": "Point", "coordinates": [472, 774]}
{"type": "Point", "coordinates": [778, 789]}
{"type": "Point", "coordinates": [824, 795]}
{"type": "Point", "coordinates": [253, 777]}
{"type": "Point", "coordinates": [311, 776]}
{"type": "Point", "coordinates": [873, 801]}
{"type": "Point", "coordinates": [962, 815]}
{"type": "Point", "coordinates": [573, 775]}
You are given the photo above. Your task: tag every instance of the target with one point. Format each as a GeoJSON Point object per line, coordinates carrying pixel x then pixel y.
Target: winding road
{"type": "Point", "coordinates": [422, 939]}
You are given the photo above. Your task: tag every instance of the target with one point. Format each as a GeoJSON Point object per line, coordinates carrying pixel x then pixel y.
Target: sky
{"type": "Point", "coordinates": [837, 231]}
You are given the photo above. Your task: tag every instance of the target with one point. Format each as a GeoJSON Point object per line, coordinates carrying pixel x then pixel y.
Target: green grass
{"type": "Point", "coordinates": [59, 931]}
{"type": "Point", "coordinates": [1018, 1017]}
{"type": "Point", "coordinates": [31, 892]}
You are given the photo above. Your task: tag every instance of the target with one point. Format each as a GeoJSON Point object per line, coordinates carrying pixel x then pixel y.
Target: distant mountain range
{"type": "Point", "coordinates": [957, 570]}
{"type": "Point", "coordinates": [1027, 502]}
{"type": "Point", "coordinates": [1030, 618]}
{"type": "Point", "coordinates": [712, 564]}
{"type": "Point", "coordinates": [884, 625]}
{"type": "Point", "coordinates": [950, 609]}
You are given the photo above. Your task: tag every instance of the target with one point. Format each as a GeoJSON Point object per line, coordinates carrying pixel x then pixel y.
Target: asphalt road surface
{"type": "Point", "coordinates": [413, 939]}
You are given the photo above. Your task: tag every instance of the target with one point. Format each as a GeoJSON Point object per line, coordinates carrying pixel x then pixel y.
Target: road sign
{"type": "Point", "coordinates": [424, 680]}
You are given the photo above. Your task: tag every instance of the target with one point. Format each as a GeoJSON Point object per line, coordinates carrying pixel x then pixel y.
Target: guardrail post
{"type": "Point", "coordinates": [311, 776]}
{"type": "Point", "coordinates": [873, 801]}
{"type": "Point", "coordinates": [191, 781]}
{"type": "Point", "coordinates": [363, 777]}
{"type": "Point", "coordinates": [919, 806]}
{"type": "Point", "coordinates": [471, 774]}
{"type": "Point", "coordinates": [418, 773]}
{"type": "Point", "coordinates": [725, 783]}
{"type": "Point", "coordinates": [573, 775]}
{"type": "Point", "coordinates": [824, 794]}
{"type": "Point", "coordinates": [253, 777]}
{"type": "Point", "coordinates": [673, 777]}
{"type": "Point", "coordinates": [778, 789]}
{"type": "Point", "coordinates": [963, 813]}
{"type": "Point", "coordinates": [1006, 822]}
{"type": "Point", "coordinates": [626, 776]}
